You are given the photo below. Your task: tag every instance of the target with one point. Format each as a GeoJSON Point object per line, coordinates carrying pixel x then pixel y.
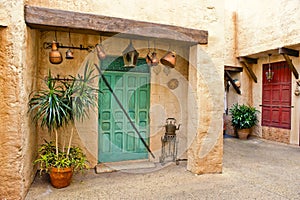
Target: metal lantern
{"type": "Point", "coordinates": [269, 73]}
{"type": "Point", "coordinates": [130, 56]}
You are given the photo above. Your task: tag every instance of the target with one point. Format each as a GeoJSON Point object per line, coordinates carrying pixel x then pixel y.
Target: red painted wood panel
{"type": "Point", "coordinates": [276, 96]}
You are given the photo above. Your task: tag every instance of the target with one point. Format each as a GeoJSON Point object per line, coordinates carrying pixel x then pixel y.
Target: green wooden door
{"type": "Point", "coordinates": [117, 139]}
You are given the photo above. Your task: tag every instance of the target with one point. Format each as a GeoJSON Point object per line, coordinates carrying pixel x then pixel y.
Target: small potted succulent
{"type": "Point", "coordinates": [55, 107]}
{"type": "Point", "coordinates": [243, 118]}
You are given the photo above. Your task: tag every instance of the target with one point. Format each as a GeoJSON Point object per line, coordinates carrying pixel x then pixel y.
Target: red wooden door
{"type": "Point", "coordinates": [276, 97]}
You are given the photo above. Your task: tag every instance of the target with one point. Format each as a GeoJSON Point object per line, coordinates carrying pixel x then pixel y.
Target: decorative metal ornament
{"type": "Point", "coordinates": [173, 83]}
{"type": "Point", "coordinates": [167, 70]}
{"type": "Point", "coordinates": [130, 56]}
{"type": "Point", "coordinates": [157, 69]}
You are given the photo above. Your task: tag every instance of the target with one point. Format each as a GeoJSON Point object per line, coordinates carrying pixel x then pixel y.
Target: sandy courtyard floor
{"type": "Point", "coordinates": [253, 169]}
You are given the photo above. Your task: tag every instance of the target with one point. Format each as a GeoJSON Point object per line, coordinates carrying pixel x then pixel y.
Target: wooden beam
{"type": "Point", "coordinates": [244, 63]}
{"type": "Point", "coordinates": [53, 19]}
{"type": "Point", "coordinates": [290, 52]}
{"type": "Point", "coordinates": [291, 66]}
{"type": "Point", "coordinates": [233, 68]}
{"type": "Point", "coordinates": [237, 89]}
{"type": "Point", "coordinates": [248, 60]}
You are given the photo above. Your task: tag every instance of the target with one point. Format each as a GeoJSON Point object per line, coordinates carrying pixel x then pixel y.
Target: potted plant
{"type": "Point", "coordinates": [243, 118]}
{"type": "Point", "coordinates": [58, 105]}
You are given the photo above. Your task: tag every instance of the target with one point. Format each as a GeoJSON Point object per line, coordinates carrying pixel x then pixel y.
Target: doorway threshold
{"type": "Point", "coordinates": [124, 165]}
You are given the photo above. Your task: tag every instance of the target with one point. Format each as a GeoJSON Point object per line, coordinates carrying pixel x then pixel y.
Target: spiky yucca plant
{"type": "Point", "coordinates": [62, 102]}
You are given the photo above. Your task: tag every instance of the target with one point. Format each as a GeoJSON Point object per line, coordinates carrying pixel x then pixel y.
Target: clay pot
{"type": "Point", "coordinates": [55, 56]}
{"type": "Point", "coordinates": [243, 133]}
{"type": "Point", "coordinates": [61, 177]}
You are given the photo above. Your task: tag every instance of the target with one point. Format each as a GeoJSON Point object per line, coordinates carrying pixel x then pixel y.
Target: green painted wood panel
{"type": "Point", "coordinates": [117, 139]}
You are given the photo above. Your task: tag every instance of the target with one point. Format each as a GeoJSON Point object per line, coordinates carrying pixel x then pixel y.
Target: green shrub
{"type": "Point", "coordinates": [243, 116]}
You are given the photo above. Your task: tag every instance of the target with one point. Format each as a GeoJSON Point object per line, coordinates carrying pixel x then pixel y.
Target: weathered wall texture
{"type": "Point", "coordinates": [206, 75]}
{"type": "Point", "coordinates": [17, 143]}
{"type": "Point", "coordinates": [206, 16]}
{"type": "Point", "coordinates": [23, 61]}
{"type": "Point", "coordinates": [261, 32]}
{"type": "Point", "coordinates": [276, 134]}
{"type": "Point", "coordinates": [167, 102]}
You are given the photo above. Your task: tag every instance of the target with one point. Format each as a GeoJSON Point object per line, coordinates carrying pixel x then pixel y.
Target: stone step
{"type": "Point", "coordinates": [124, 165]}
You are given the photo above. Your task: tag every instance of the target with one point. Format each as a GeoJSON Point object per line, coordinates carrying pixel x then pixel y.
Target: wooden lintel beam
{"type": "Point", "coordinates": [233, 68]}
{"type": "Point", "coordinates": [248, 60]}
{"type": "Point", "coordinates": [237, 89]}
{"type": "Point", "coordinates": [253, 76]}
{"type": "Point", "coordinates": [53, 19]}
{"type": "Point", "coordinates": [291, 65]}
{"type": "Point", "coordinates": [290, 52]}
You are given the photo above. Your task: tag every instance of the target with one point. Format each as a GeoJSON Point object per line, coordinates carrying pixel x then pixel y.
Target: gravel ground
{"type": "Point", "coordinates": [252, 169]}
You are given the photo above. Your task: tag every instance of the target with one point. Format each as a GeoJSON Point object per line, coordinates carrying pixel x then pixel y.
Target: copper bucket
{"type": "Point", "coordinates": [169, 59]}
{"type": "Point", "coordinates": [55, 56]}
{"type": "Point", "coordinates": [152, 59]}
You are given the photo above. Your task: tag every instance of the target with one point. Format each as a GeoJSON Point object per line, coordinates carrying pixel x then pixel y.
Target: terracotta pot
{"type": "Point", "coordinates": [61, 177]}
{"type": "Point", "coordinates": [243, 133]}
{"type": "Point", "coordinates": [55, 56]}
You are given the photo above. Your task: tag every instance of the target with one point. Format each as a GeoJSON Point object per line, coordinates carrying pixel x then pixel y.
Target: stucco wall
{"type": "Point", "coordinates": [271, 26]}
{"type": "Point", "coordinates": [205, 15]}
{"type": "Point", "coordinates": [19, 68]}
{"type": "Point", "coordinates": [17, 144]}
{"type": "Point", "coordinates": [165, 101]}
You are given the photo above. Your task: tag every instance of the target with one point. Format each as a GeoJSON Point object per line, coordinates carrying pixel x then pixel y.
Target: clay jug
{"type": "Point", "coordinates": [55, 56]}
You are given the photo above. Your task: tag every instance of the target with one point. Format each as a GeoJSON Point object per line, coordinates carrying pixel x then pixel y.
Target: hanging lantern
{"type": "Point", "coordinates": [69, 54]}
{"type": "Point", "coordinates": [269, 73]}
{"type": "Point", "coordinates": [130, 56]}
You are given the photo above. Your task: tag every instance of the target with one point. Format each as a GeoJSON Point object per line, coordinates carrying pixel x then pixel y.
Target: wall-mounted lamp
{"type": "Point", "coordinates": [297, 90]}
{"type": "Point", "coordinates": [130, 56]}
{"type": "Point", "coordinates": [269, 73]}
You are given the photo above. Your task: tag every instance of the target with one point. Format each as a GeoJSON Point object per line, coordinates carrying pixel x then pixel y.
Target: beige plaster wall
{"type": "Point", "coordinates": [17, 144]}
{"type": "Point", "coordinates": [20, 47]}
{"type": "Point", "coordinates": [206, 15]}
{"type": "Point", "coordinates": [165, 101]}
{"type": "Point", "coordinates": [206, 75]}
{"type": "Point", "coordinates": [271, 26]}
